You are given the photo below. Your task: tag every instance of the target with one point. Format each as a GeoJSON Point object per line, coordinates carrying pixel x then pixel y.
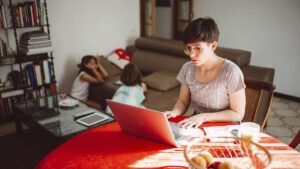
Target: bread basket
{"type": "Point", "coordinates": [240, 153]}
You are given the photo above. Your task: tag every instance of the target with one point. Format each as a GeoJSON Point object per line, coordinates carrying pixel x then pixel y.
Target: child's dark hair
{"type": "Point", "coordinates": [131, 75]}
{"type": "Point", "coordinates": [201, 29]}
{"type": "Point", "coordinates": [85, 60]}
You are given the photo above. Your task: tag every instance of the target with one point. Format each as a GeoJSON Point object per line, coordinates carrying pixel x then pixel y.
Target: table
{"type": "Point", "coordinates": [108, 147]}
{"type": "Point", "coordinates": [45, 114]}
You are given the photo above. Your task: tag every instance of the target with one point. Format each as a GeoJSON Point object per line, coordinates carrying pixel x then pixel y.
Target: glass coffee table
{"type": "Point", "coordinates": [46, 114]}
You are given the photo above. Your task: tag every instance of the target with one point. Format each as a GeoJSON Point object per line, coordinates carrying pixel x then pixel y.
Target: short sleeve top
{"type": "Point", "coordinates": [212, 96]}
{"type": "Point", "coordinates": [80, 90]}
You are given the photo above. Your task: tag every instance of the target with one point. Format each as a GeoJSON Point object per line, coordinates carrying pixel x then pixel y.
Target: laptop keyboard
{"type": "Point", "coordinates": [175, 129]}
{"type": "Point", "coordinates": [178, 131]}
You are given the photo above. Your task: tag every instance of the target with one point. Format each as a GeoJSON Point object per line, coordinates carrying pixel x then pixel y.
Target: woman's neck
{"type": "Point", "coordinates": [211, 63]}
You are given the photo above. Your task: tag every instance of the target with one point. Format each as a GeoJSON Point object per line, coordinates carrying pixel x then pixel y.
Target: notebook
{"type": "Point", "coordinates": [151, 124]}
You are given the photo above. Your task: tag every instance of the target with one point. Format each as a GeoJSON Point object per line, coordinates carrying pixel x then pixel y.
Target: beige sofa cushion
{"type": "Point", "coordinates": [111, 69]}
{"type": "Point", "coordinates": [162, 80]}
{"type": "Point", "coordinates": [150, 62]}
{"type": "Point", "coordinates": [161, 45]}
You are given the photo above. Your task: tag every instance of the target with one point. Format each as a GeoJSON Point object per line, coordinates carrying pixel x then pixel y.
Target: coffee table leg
{"type": "Point", "coordinates": [18, 122]}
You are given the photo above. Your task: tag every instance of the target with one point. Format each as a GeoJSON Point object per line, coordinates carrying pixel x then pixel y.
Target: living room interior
{"type": "Point", "coordinates": [268, 29]}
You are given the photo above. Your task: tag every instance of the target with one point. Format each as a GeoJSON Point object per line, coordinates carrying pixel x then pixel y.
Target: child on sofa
{"type": "Point", "coordinates": [133, 88]}
{"type": "Point", "coordinates": [91, 71]}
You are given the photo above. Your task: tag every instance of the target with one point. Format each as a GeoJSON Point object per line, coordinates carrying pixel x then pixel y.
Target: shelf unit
{"type": "Point", "coordinates": [20, 60]}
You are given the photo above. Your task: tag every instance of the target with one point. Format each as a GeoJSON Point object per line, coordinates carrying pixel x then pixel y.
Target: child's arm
{"type": "Point", "coordinates": [144, 87]}
{"type": "Point", "coordinates": [91, 79]}
{"type": "Point", "coordinates": [102, 70]}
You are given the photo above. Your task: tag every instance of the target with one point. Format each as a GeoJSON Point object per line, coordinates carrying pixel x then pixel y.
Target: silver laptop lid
{"type": "Point", "coordinates": [143, 122]}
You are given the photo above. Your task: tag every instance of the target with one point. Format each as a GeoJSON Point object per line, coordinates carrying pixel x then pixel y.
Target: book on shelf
{"type": "Point", "coordinates": [5, 18]}
{"type": "Point", "coordinates": [47, 72]}
{"type": "Point", "coordinates": [42, 92]}
{"type": "Point", "coordinates": [3, 88]}
{"type": "Point", "coordinates": [6, 104]}
{"type": "Point", "coordinates": [4, 49]}
{"type": "Point", "coordinates": [12, 93]}
{"type": "Point", "coordinates": [35, 42]}
{"type": "Point", "coordinates": [32, 13]}
{"type": "Point", "coordinates": [38, 74]}
{"type": "Point", "coordinates": [5, 108]}
{"type": "Point", "coordinates": [36, 50]}
{"type": "Point", "coordinates": [7, 60]}
{"type": "Point", "coordinates": [16, 78]}
{"type": "Point", "coordinates": [31, 78]}
{"type": "Point", "coordinates": [34, 34]}
{"type": "Point", "coordinates": [34, 39]}
{"type": "Point", "coordinates": [36, 45]}
{"type": "Point", "coordinates": [43, 16]}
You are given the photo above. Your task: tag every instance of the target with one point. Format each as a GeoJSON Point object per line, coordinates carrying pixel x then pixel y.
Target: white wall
{"type": "Point", "coordinates": [270, 29]}
{"type": "Point", "coordinates": [89, 27]}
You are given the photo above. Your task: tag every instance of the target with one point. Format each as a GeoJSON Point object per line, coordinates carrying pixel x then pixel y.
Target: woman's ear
{"type": "Point", "coordinates": [214, 45]}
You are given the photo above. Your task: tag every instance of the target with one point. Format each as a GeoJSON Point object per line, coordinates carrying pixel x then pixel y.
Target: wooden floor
{"type": "Point", "coordinates": [24, 152]}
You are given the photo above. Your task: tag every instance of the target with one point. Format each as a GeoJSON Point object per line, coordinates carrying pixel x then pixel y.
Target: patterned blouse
{"type": "Point", "coordinates": [212, 96]}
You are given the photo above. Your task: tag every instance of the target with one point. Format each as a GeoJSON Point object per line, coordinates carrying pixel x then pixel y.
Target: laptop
{"type": "Point", "coordinates": [151, 124]}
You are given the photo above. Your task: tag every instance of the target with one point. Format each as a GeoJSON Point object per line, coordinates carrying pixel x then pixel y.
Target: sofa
{"type": "Point", "coordinates": [159, 61]}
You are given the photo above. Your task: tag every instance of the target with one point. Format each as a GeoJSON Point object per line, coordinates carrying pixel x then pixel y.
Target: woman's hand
{"type": "Point", "coordinates": [194, 121]}
{"type": "Point", "coordinates": [172, 113]}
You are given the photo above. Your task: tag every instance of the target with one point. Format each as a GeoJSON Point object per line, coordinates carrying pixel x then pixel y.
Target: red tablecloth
{"type": "Point", "coordinates": [108, 147]}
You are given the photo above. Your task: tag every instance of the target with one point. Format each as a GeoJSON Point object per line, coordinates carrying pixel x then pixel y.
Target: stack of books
{"type": "Point", "coordinates": [35, 42]}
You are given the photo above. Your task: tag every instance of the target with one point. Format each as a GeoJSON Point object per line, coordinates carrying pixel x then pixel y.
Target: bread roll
{"type": "Point", "coordinates": [199, 160]}
{"type": "Point", "coordinates": [225, 165]}
{"type": "Point", "coordinates": [207, 156]}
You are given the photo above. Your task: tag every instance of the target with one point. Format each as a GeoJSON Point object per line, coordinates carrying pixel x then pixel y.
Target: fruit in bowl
{"type": "Point", "coordinates": [226, 153]}
{"type": "Point", "coordinates": [200, 161]}
{"type": "Point", "coordinates": [203, 159]}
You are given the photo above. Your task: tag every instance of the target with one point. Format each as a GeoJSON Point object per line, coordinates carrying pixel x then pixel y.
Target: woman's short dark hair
{"type": "Point", "coordinates": [201, 29]}
{"type": "Point", "coordinates": [131, 75]}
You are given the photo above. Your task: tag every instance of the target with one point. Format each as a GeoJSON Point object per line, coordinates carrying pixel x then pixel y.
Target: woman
{"type": "Point", "coordinates": [213, 84]}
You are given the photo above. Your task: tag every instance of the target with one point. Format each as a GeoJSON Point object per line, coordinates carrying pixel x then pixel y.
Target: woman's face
{"type": "Point", "coordinates": [199, 52]}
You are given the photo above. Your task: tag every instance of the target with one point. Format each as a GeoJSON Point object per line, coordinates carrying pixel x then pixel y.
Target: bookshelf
{"type": "Point", "coordinates": [26, 54]}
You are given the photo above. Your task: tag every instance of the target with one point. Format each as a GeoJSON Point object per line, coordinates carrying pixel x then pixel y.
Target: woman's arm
{"type": "Point", "coordinates": [182, 103]}
{"type": "Point", "coordinates": [236, 112]}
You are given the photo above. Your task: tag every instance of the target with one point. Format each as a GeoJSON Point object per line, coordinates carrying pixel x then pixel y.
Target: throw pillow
{"type": "Point", "coordinates": [162, 80]}
{"type": "Point", "coordinates": [119, 58]}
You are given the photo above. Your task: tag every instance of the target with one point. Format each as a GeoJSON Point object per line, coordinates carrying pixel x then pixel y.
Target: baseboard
{"type": "Point", "coordinates": [285, 96]}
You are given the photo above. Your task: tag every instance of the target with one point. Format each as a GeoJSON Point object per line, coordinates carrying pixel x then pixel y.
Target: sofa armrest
{"type": "Point", "coordinates": [239, 57]}
{"type": "Point", "coordinates": [261, 73]}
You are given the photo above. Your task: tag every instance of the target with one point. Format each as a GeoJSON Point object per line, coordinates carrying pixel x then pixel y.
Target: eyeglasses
{"type": "Point", "coordinates": [195, 50]}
